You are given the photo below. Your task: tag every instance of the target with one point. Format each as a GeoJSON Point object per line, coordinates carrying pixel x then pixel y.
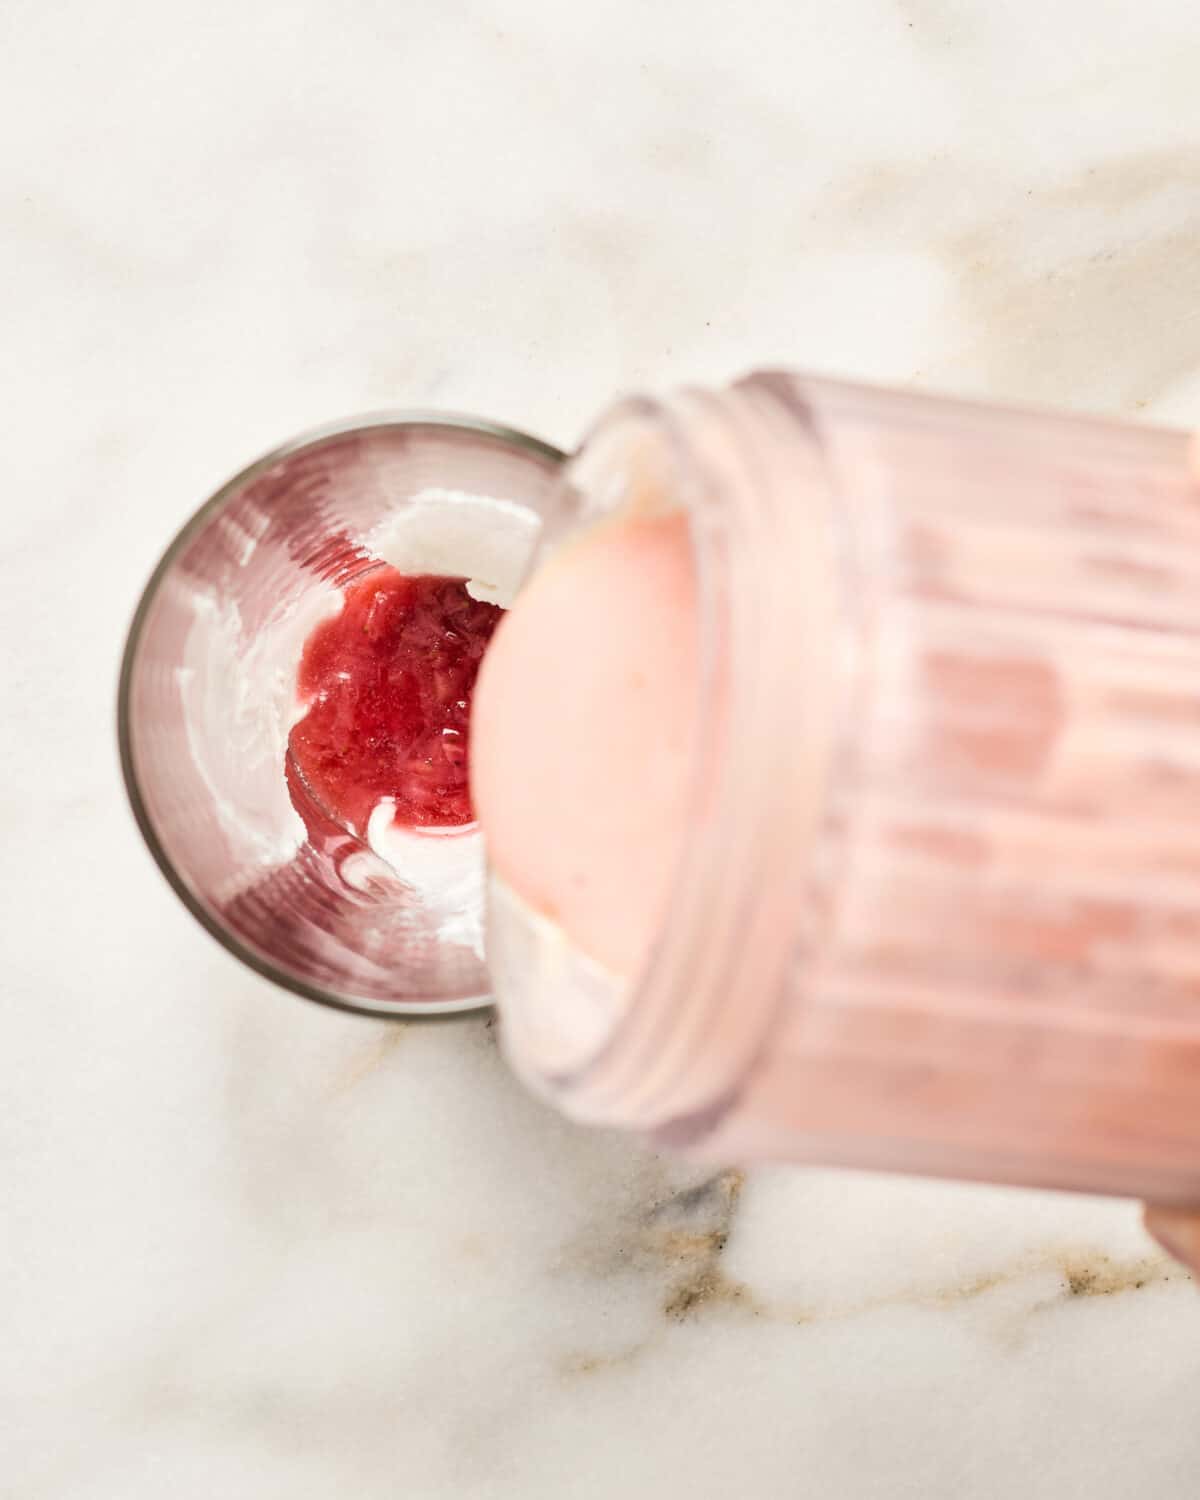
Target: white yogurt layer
{"type": "Point", "coordinates": [445, 865]}
{"type": "Point", "coordinates": [453, 534]}
{"type": "Point", "coordinates": [238, 692]}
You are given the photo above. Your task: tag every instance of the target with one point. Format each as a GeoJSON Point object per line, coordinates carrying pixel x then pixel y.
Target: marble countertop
{"type": "Point", "coordinates": [250, 1248]}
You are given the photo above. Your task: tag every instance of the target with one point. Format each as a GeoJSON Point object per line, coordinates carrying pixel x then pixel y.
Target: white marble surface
{"type": "Point", "coordinates": [254, 1249]}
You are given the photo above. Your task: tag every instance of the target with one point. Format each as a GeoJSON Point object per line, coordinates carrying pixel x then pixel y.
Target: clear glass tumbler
{"type": "Point", "coordinates": [207, 696]}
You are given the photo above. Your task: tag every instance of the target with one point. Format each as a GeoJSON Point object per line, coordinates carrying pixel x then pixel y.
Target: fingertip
{"type": "Point", "coordinates": [1177, 1230]}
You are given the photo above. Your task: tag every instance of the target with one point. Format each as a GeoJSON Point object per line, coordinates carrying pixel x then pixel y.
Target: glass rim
{"type": "Point", "coordinates": [313, 437]}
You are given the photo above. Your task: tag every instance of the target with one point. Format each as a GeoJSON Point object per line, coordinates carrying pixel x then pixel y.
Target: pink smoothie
{"type": "Point", "coordinates": [582, 722]}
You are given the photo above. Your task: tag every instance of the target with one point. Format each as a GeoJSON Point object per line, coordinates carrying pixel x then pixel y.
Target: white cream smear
{"type": "Point", "coordinates": [453, 534]}
{"type": "Point", "coordinates": [238, 690]}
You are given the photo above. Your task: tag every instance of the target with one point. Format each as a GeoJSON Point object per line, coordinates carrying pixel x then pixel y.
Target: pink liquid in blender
{"type": "Point", "coordinates": [584, 717]}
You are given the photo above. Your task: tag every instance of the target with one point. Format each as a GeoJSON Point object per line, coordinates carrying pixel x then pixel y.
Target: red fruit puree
{"type": "Point", "coordinates": [388, 684]}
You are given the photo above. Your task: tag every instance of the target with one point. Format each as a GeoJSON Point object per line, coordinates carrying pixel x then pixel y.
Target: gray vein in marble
{"type": "Point", "coordinates": [1060, 280]}
{"type": "Point", "coordinates": [679, 1240]}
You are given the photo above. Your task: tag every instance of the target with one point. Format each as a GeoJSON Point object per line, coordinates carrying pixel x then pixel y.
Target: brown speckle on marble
{"type": "Point", "coordinates": [709, 1287]}
{"type": "Point", "coordinates": [473, 1247]}
{"type": "Point", "coordinates": [596, 1364]}
{"type": "Point", "coordinates": [1101, 1276]}
{"type": "Point", "coordinates": [687, 1233]}
{"type": "Point", "coordinates": [372, 1056]}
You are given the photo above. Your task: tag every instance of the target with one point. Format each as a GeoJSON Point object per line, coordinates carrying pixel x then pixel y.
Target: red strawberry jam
{"type": "Point", "coordinates": [388, 684]}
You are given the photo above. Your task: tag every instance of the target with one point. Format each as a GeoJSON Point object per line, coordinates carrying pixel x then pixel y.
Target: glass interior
{"type": "Point", "coordinates": [207, 698]}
